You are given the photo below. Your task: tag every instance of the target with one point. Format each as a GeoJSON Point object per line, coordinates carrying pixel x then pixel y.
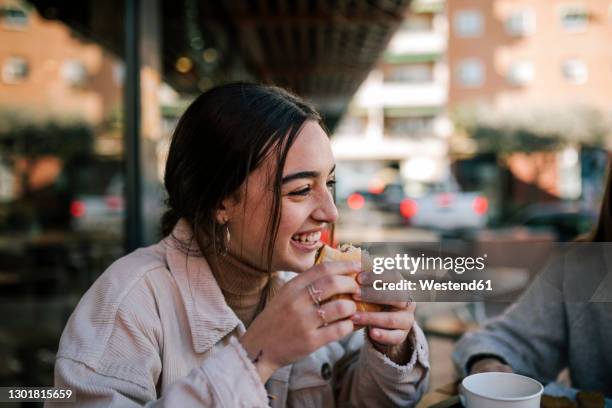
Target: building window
{"type": "Point", "coordinates": [469, 23]}
{"type": "Point", "coordinates": [417, 22]}
{"type": "Point", "coordinates": [409, 126]}
{"type": "Point", "coordinates": [471, 73]}
{"type": "Point", "coordinates": [13, 17]}
{"type": "Point", "coordinates": [521, 73]}
{"type": "Point", "coordinates": [354, 125]}
{"type": "Point", "coordinates": [413, 73]}
{"type": "Point", "coordinates": [575, 71]}
{"type": "Point", "coordinates": [74, 72]}
{"type": "Point", "coordinates": [14, 70]}
{"type": "Point", "coordinates": [521, 23]}
{"type": "Point", "coordinates": [574, 18]}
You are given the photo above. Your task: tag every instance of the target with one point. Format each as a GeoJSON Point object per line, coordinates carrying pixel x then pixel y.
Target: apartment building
{"type": "Point", "coordinates": [530, 53]}
{"type": "Point", "coordinates": [545, 61]}
{"type": "Point", "coordinates": [42, 61]}
{"type": "Point", "coordinates": [398, 118]}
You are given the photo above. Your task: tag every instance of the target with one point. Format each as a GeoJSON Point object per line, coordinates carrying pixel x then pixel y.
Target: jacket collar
{"type": "Point", "coordinates": [210, 318]}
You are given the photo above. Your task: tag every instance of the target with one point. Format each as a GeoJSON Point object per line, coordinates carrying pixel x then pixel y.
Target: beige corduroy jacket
{"type": "Point", "coordinates": [154, 330]}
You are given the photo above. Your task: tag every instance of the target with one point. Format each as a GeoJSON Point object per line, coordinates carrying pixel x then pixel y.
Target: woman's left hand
{"type": "Point", "coordinates": [389, 329]}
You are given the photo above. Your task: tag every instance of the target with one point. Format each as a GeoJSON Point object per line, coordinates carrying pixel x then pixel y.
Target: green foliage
{"type": "Point", "coordinates": [533, 130]}
{"type": "Point", "coordinates": [63, 139]}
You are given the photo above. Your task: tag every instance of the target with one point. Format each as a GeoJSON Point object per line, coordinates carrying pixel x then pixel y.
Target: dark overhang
{"type": "Point", "coordinates": [322, 50]}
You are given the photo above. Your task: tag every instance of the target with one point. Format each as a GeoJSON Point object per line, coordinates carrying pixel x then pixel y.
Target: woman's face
{"type": "Point", "coordinates": [306, 205]}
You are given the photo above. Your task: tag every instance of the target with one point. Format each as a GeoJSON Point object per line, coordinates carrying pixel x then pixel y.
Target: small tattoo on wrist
{"type": "Point", "coordinates": [257, 357]}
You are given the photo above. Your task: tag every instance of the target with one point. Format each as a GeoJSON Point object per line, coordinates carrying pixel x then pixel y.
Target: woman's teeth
{"type": "Point", "coordinates": [310, 237]}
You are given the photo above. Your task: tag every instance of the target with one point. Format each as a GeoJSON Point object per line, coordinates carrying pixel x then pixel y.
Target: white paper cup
{"type": "Point", "coordinates": [500, 390]}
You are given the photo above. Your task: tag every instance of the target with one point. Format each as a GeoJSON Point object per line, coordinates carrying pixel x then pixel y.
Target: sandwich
{"type": "Point", "coordinates": [346, 252]}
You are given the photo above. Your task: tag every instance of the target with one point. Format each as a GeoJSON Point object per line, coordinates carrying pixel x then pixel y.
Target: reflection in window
{"type": "Point", "coordinates": [574, 18]}
{"type": "Point", "coordinates": [13, 17]}
{"type": "Point", "coordinates": [469, 23]}
{"type": "Point", "coordinates": [521, 23]}
{"type": "Point", "coordinates": [575, 71]}
{"type": "Point", "coordinates": [14, 70]}
{"type": "Point", "coordinates": [74, 72]}
{"type": "Point", "coordinates": [471, 73]}
{"type": "Point", "coordinates": [521, 73]}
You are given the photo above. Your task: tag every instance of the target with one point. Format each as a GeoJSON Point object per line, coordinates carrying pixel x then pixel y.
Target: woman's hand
{"type": "Point", "coordinates": [490, 364]}
{"type": "Point", "coordinates": [292, 325]}
{"type": "Point", "coordinates": [389, 329]}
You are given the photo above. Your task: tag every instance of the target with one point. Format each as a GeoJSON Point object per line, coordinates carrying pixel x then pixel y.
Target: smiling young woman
{"type": "Point", "coordinates": [205, 318]}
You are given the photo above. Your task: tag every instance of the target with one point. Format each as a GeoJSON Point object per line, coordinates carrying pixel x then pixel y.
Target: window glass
{"type": "Point", "coordinates": [471, 73]}
{"type": "Point", "coordinates": [410, 73]}
{"type": "Point", "coordinates": [13, 17]}
{"type": "Point", "coordinates": [469, 23]}
{"type": "Point", "coordinates": [575, 71]}
{"type": "Point", "coordinates": [521, 73]}
{"type": "Point", "coordinates": [61, 184]}
{"type": "Point", "coordinates": [409, 126]}
{"type": "Point", "coordinates": [521, 23]}
{"type": "Point", "coordinates": [15, 70]}
{"type": "Point", "coordinates": [574, 18]}
{"type": "Point", "coordinates": [74, 72]}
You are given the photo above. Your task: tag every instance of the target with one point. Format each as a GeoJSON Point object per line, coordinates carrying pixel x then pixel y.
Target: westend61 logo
{"type": "Point", "coordinates": [412, 264]}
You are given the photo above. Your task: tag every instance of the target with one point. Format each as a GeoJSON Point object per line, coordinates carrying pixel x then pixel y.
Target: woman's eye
{"type": "Point", "coordinates": [331, 184]}
{"type": "Point", "coordinates": [301, 192]}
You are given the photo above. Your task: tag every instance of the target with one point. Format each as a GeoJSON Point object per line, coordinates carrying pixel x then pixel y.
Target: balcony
{"type": "Point", "coordinates": [404, 95]}
{"type": "Point", "coordinates": [410, 43]}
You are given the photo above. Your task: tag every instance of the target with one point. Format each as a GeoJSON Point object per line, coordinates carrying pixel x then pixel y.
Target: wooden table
{"type": "Point", "coordinates": [445, 396]}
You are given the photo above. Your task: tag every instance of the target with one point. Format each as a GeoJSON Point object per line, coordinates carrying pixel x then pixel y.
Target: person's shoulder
{"type": "Point", "coordinates": [125, 289]}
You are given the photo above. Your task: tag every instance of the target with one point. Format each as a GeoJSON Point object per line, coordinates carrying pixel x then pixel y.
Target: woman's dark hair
{"type": "Point", "coordinates": [602, 232]}
{"type": "Point", "coordinates": [224, 135]}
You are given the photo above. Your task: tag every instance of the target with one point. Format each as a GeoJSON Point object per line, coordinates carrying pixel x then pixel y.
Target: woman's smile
{"type": "Point", "coordinates": [307, 241]}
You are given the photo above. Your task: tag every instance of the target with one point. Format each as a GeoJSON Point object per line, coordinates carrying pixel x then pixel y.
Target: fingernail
{"type": "Point", "coordinates": [361, 278]}
{"type": "Point", "coordinates": [356, 317]}
{"type": "Point", "coordinates": [357, 296]}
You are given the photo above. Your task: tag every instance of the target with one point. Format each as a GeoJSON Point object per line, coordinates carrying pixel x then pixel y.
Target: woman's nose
{"type": "Point", "coordinates": [326, 211]}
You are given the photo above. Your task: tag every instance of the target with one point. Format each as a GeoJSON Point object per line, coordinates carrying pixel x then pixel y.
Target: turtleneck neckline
{"type": "Point", "coordinates": [242, 284]}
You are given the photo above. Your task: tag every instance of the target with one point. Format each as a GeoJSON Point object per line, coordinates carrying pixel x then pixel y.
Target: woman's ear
{"type": "Point", "coordinates": [225, 210]}
{"type": "Point", "coordinates": [221, 215]}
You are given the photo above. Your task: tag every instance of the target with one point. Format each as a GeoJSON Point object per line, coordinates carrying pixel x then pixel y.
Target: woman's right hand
{"type": "Point", "coordinates": [490, 364]}
{"type": "Point", "coordinates": [290, 326]}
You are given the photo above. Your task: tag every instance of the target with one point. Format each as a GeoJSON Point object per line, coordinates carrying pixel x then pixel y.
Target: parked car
{"type": "Point", "coordinates": [446, 210]}
{"type": "Point", "coordinates": [97, 203]}
{"type": "Point", "coordinates": [565, 221]}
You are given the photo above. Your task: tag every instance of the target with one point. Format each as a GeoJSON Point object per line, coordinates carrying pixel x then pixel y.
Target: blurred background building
{"type": "Point", "coordinates": [450, 120]}
{"type": "Point", "coordinates": [397, 126]}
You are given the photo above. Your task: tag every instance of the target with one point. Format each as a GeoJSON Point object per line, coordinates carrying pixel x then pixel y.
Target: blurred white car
{"type": "Point", "coordinates": [99, 209]}
{"type": "Point", "coordinates": [446, 211]}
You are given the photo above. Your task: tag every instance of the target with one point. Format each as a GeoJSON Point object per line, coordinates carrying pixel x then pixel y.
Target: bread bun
{"type": "Point", "coordinates": [346, 252]}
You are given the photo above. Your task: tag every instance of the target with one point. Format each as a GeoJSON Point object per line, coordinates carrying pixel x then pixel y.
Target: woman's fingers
{"type": "Point", "coordinates": [333, 311]}
{"type": "Point", "coordinates": [388, 337]}
{"type": "Point", "coordinates": [490, 365]}
{"type": "Point", "coordinates": [402, 320]}
{"type": "Point", "coordinates": [333, 332]}
{"type": "Point", "coordinates": [335, 285]}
